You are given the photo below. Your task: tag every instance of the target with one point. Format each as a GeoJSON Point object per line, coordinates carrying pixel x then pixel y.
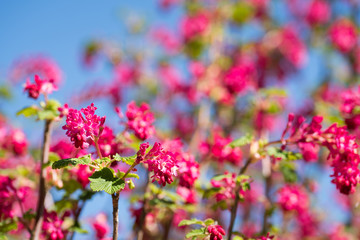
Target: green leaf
{"type": "Point", "coordinates": [244, 140]}
{"type": "Point", "coordinates": [50, 110]}
{"type": "Point", "coordinates": [283, 155]}
{"type": "Point", "coordinates": [84, 160]}
{"type": "Point", "coordinates": [8, 225]}
{"type": "Point", "coordinates": [28, 111]}
{"type": "Point", "coordinates": [128, 160]}
{"type": "Point", "coordinates": [187, 222]}
{"type": "Point", "coordinates": [104, 180]}
{"type": "Point", "coordinates": [209, 192]}
{"type": "Point", "coordinates": [288, 171]}
{"type": "Point", "coordinates": [209, 221]}
{"type": "Point", "coordinates": [5, 92]}
{"type": "Point", "coordinates": [242, 12]}
{"type": "Point", "coordinates": [274, 92]}
{"type": "Point", "coordinates": [196, 233]}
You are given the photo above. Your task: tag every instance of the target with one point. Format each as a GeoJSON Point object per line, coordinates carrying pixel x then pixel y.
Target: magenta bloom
{"type": "Point", "coordinates": [238, 78]}
{"type": "Point", "coordinates": [52, 226]}
{"type": "Point", "coordinates": [101, 226]}
{"type": "Point", "coordinates": [140, 120]}
{"type": "Point", "coordinates": [161, 164]}
{"type": "Point", "coordinates": [343, 34]}
{"type": "Point", "coordinates": [40, 86]}
{"type": "Point", "coordinates": [293, 198]}
{"type": "Point", "coordinates": [226, 185]}
{"type": "Point", "coordinates": [193, 26]}
{"type": "Point", "coordinates": [292, 47]}
{"type": "Point", "coordinates": [7, 197]}
{"type": "Point", "coordinates": [224, 153]}
{"type": "Point", "coordinates": [319, 12]}
{"type": "Point", "coordinates": [216, 232]}
{"type": "Point", "coordinates": [83, 126]}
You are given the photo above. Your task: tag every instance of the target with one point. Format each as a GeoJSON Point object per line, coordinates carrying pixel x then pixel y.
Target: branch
{"type": "Point", "coordinates": [237, 198]}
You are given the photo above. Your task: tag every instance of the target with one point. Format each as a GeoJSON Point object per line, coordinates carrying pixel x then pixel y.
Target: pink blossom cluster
{"type": "Point", "coordinates": [226, 186]}
{"type": "Point", "coordinates": [222, 152]}
{"type": "Point", "coordinates": [12, 140]}
{"type": "Point", "coordinates": [140, 120]}
{"type": "Point", "coordinates": [39, 87]}
{"type": "Point", "coordinates": [101, 226]}
{"type": "Point", "coordinates": [161, 163]}
{"type": "Point", "coordinates": [343, 34]}
{"type": "Point", "coordinates": [52, 227]}
{"type": "Point", "coordinates": [267, 237]}
{"type": "Point", "coordinates": [40, 65]}
{"type": "Point", "coordinates": [195, 25]}
{"type": "Point", "coordinates": [7, 191]}
{"type": "Point", "coordinates": [239, 77]}
{"type": "Point", "coordinates": [216, 232]}
{"type": "Point", "coordinates": [83, 126]}
{"type": "Point", "coordinates": [350, 102]}
{"type": "Point", "coordinates": [188, 168]}
{"type": "Point", "coordinates": [319, 12]}
{"type": "Point", "coordinates": [108, 144]}
{"type": "Point", "coordinates": [342, 146]}
{"type": "Point", "coordinates": [292, 47]}
{"type": "Point", "coordinates": [293, 198]}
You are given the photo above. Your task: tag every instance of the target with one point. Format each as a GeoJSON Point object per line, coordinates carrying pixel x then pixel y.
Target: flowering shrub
{"type": "Point", "coordinates": [213, 143]}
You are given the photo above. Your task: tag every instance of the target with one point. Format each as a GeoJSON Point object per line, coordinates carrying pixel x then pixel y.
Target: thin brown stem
{"type": "Point", "coordinates": [143, 212]}
{"type": "Point", "coordinates": [237, 198]}
{"type": "Point", "coordinates": [42, 188]}
{"type": "Point", "coordinates": [115, 202]}
{"type": "Point", "coordinates": [167, 226]}
{"type": "Point", "coordinates": [97, 147]}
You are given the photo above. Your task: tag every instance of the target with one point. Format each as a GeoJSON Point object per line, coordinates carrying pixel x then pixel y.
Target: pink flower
{"type": "Point", "coordinates": [81, 173]}
{"type": "Point", "coordinates": [7, 191]}
{"type": "Point", "coordinates": [224, 153]}
{"type": "Point", "coordinates": [15, 140]}
{"type": "Point", "coordinates": [343, 34]}
{"type": "Point", "coordinates": [197, 69]}
{"type": "Point", "coordinates": [66, 150]}
{"type": "Point", "coordinates": [43, 66]}
{"type": "Point", "coordinates": [83, 129]}
{"type": "Point", "coordinates": [226, 185]}
{"type": "Point", "coordinates": [170, 76]}
{"type": "Point", "coordinates": [125, 73]}
{"type": "Point", "coordinates": [140, 120]}
{"type": "Point", "coordinates": [216, 232]}
{"type": "Point", "coordinates": [293, 198]}
{"type": "Point", "coordinates": [161, 164]}
{"type": "Point", "coordinates": [52, 226]}
{"type": "Point", "coordinates": [188, 170]}
{"type": "Point", "coordinates": [107, 143]}
{"type": "Point", "coordinates": [309, 151]}
{"type": "Point", "coordinates": [292, 47]}
{"type": "Point", "coordinates": [319, 12]}
{"type": "Point", "coordinates": [238, 78]}
{"type": "Point", "coordinates": [101, 226]}
{"type": "Point", "coordinates": [166, 39]}
{"type": "Point", "coordinates": [195, 25]}
{"type": "Point", "coordinates": [267, 237]}
{"type": "Point", "coordinates": [189, 195]}
{"type": "Point", "coordinates": [40, 86]}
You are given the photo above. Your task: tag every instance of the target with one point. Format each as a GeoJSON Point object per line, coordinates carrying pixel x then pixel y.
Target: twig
{"type": "Point", "coordinates": [237, 198]}
{"type": "Point", "coordinates": [115, 202]}
{"type": "Point", "coordinates": [42, 188]}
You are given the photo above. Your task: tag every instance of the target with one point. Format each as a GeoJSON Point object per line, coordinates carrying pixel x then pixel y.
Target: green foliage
{"type": "Point", "coordinates": [190, 222]}
{"type": "Point", "coordinates": [104, 180]}
{"type": "Point", "coordinates": [244, 140]}
{"type": "Point", "coordinates": [120, 174]}
{"type": "Point", "coordinates": [8, 225]}
{"type": "Point", "coordinates": [28, 111]}
{"type": "Point", "coordinates": [194, 48]}
{"type": "Point", "coordinates": [288, 170]}
{"type": "Point", "coordinates": [5, 92]}
{"type": "Point", "coordinates": [196, 234]}
{"type": "Point", "coordinates": [242, 12]}
{"type": "Point", "coordinates": [84, 160]}
{"type": "Point", "coordinates": [283, 155]}
{"type": "Point", "coordinates": [128, 160]}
